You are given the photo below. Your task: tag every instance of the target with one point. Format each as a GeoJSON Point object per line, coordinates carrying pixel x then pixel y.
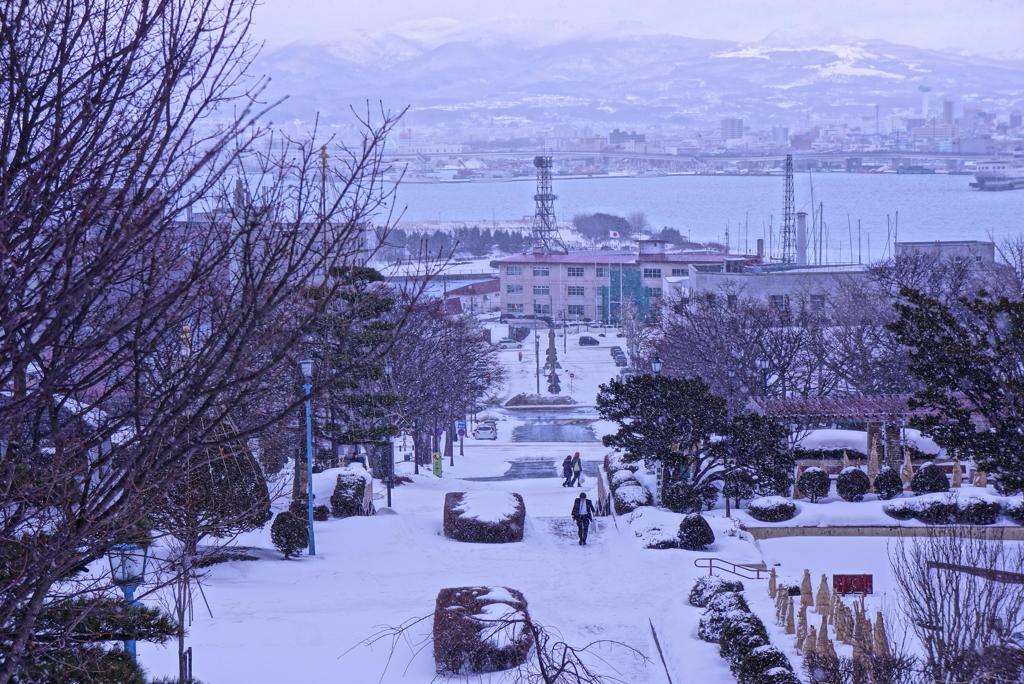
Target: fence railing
{"type": "Point", "coordinates": [744, 570]}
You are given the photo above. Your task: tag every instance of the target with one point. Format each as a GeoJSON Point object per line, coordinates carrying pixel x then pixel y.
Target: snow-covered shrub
{"type": "Point", "coordinates": [347, 499]}
{"type": "Point", "coordinates": [934, 509]}
{"type": "Point", "coordinates": [695, 534]}
{"type": "Point", "coordinates": [814, 484]}
{"type": "Point", "coordinates": [973, 510]}
{"type": "Point", "coordinates": [719, 607]}
{"type": "Point", "coordinates": [321, 513]}
{"type": "Point", "coordinates": [629, 497]}
{"type": "Point", "coordinates": [621, 477]}
{"type": "Point", "coordinates": [709, 586]}
{"type": "Point", "coordinates": [755, 667]}
{"type": "Point", "coordinates": [657, 529]}
{"type": "Point", "coordinates": [888, 484]}
{"type": "Point", "coordinates": [683, 497]}
{"type": "Point", "coordinates": [771, 509]}
{"type": "Point", "coordinates": [901, 510]}
{"type": "Point", "coordinates": [484, 516]}
{"type": "Point", "coordinates": [1015, 510]}
{"type": "Point", "coordinates": [288, 533]}
{"type": "Point", "coordinates": [852, 484]}
{"type": "Point", "coordinates": [741, 633]}
{"type": "Point", "coordinates": [614, 462]}
{"type": "Point", "coordinates": [775, 675]}
{"type": "Point", "coordinates": [929, 479]}
{"type": "Point", "coordinates": [479, 630]}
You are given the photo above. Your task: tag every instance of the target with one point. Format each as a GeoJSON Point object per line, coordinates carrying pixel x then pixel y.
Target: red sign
{"type": "Point", "coordinates": [853, 584]}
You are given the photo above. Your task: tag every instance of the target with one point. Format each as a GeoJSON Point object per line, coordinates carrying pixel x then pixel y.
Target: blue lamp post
{"type": "Point", "coordinates": [307, 387]}
{"type": "Point", "coordinates": [128, 571]}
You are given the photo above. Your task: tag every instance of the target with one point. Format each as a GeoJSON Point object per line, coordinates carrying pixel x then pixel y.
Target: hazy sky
{"type": "Point", "coordinates": [984, 26]}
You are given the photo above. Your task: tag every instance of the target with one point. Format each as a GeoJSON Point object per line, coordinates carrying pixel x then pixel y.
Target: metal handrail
{"type": "Point", "coordinates": [740, 569]}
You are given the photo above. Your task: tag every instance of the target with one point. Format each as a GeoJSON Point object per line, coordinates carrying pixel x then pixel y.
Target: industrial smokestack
{"type": "Point", "coordinates": [801, 237]}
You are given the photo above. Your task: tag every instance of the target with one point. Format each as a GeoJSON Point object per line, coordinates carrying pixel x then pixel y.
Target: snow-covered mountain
{"type": "Point", "coordinates": [637, 81]}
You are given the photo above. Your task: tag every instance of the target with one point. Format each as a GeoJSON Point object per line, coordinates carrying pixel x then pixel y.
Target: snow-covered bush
{"type": "Point", "coordinates": [901, 510]}
{"type": "Point", "coordinates": [657, 529]}
{"type": "Point", "coordinates": [288, 533]}
{"type": "Point", "coordinates": [1015, 510]}
{"type": "Point", "coordinates": [629, 497]}
{"type": "Point", "coordinates": [347, 499]}
{"type": "Point", "coordinates": [942, 509]}
{"type": "Point", "coordinates": [709, 586]}
{"type": "Point", "coordinates": [852, 484]}
{"type": "Point", "coordinates": [614, 462]}
{"type": "Point", "coordinates": [683, 497]}
{"type": "Point", "coordinates": [695, 534]}
{"type": "Point", "coordinates": [929, 479]}
{"type": "Point", "coordinates": [973, 510]}
{"type": "Point", "coordinates": [771, 509]}
{"type": "Point", "coordinates": [775, 675]}
{"type": "Point", "coordinates": [479, 630]}
{"type": "Point", "coordinates": [719, 607]}
{"type": "Point", "coordinates": [888, 484]}
{"type": "Point", "coordinates": [321, 513]}
{"type": "Point", "coordinates": [759, 665]}
{"type": "Point", "coordinates": [741, 633]}
{"type": "Point", "coordinates": [621, 477]}
{"type": "Point", "coordinates": [484, 516]}
{"type": "Point", "coordinates": [814, 484]}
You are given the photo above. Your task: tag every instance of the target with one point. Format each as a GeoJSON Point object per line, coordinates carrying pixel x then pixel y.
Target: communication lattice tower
{"type": "Point", "coordinates": [545, 229]}
{"type": "Point", "coordinates": [788, 217]}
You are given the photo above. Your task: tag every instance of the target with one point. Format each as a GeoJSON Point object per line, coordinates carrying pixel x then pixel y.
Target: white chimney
{"type": "Point", "coordinates": [801, 237]}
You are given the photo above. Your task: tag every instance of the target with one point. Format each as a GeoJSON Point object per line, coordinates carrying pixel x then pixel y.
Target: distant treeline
{"type": "Point", "coordinates": [600, 227]}
{"type": "Point", "coordinates": [401, 244]}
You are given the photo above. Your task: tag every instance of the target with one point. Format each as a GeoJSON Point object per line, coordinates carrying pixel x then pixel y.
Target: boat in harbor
{"type": "Point", "coordinates": [999, 174]}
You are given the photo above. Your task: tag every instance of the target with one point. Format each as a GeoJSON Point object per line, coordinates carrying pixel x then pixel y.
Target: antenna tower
{"type": "Point", "coordinates": [788, 217]}
{"type": "Point", "coordinates": [545, 229]}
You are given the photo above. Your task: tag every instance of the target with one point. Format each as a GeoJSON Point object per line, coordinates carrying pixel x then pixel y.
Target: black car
{"type": "Point", "coordinates": [587, 341]}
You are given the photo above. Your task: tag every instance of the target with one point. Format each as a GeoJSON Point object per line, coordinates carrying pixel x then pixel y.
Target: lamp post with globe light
{"type": "Point", "coordinates": [307, 388]}
{"type": "Point", "coordinates": [128, 572]}
{"type": "Point", "coordinates": [656, 364]}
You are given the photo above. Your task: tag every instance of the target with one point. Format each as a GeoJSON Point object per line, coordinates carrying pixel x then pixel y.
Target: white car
{"type": "Point", "coordinates": [485, 432]}
{"type": "Point", "coordinates": [509, 344]}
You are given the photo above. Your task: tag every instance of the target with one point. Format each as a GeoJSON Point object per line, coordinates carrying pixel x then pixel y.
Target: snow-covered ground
{"type": "Point", "coordinates": [304, 619]}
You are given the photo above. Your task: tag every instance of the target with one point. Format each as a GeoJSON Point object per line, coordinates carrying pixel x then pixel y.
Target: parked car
{"type": "Point", "coordinates": [485, 431]}
{"type": "Point", "coordinates": [627, 373]}
{"type": "Point", "coordinates": [588, 341]}
{"type": "Point", "coordinates": [621, 363]}
{"type": "Point", "coordinates": [509, 344]}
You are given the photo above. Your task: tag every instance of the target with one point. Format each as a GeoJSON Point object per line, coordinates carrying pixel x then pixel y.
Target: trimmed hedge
{"type": "Point", "coordinates": [741, 634]}
{"type": "Point", "coordinates": [349, 489]}
{"type": "Point", "coordinates": [629, 497]}
{"type": "Point", "coordinates": [761, 664]}
{"type": "Point", "coordinates": [479, 630]}
{"type": "Point", "coordinates": [709, 586]}
{"type": "Point", "coordinates": [683, 497]}
{"type": "Point", "coordinates": [929, 479]}
{"type": "Point", "coordinates": [460, 527]}
{"type": "Point", "coordinates": [695, 534]}
{"type": "Point", "coordinates": [852, 484]}
{"type": "Point", "coordinates": [710, 627]}
{"type": "Point", "coordinates": [888, 484]}
{"type": "Point", "coordinates": [973, 511]}
{"type": "Point", "coordinates": [288, 533]}
{"type": "Point", "coordinates": [945, 510]}
{"type": "Point", "coordinates": [321, 513]}
{"type": "Point", "coordinates": [1015, 511]}
{"type": "Point", "coordinates": [814, 484]}
{"type": "Point", "coordinates": [771, 509]}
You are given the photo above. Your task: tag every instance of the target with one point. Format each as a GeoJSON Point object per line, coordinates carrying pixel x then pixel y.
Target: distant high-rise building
{"type": "Point", "coordinates": [1015, 120]}
{"type": "Point", "coordinates": [618, 137]}
{"type": "Point", "coordinates": [780, 136]}
{"type": "Point", "coordinates": [732, 128]}
{"type": "Point", "coordinates": [947, 111]}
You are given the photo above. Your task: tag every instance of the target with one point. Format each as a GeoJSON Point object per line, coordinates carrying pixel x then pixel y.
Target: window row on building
{"type": "Point", "coordinates": [543, 309]}
{"type": "Point", "coordinates": [570, 290]}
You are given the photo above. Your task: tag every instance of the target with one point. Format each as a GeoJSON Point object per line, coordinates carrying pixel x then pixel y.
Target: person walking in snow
{"type": "Point", "coordinates": [577, 470]}
{"type": "Point", "coordinates": [582, 513]}
{"type": "Point", "coordinates": [567, 471]}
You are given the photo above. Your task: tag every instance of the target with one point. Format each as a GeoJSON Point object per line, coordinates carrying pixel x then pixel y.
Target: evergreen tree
{"type": "Point", "coordinates": [756, 457]}
{"type": "Point", "coordinates": [967, 357]}
{"type": "Point", "coordinates": [662, 419]}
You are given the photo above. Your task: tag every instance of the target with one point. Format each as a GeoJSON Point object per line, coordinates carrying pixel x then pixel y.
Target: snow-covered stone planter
{"type": "Point", "coordinates": [628, 497]}
{"type": "Point", "coordinates": [484, 516]}
{"type": "Point", "coordinates": [479, 630]}
{"type": "Point", "coordinates": [771, 509]}
{"type": "Point", "coordinates": [347, 499]}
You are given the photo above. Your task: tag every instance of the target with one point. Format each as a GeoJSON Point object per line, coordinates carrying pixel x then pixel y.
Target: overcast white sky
{"type": "Point", "coordinates": [984, 26]}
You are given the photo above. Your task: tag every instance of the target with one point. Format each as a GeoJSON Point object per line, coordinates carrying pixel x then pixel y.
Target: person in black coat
{"type": "Point", "coordinates": [567, 471]}
{"type": "Point", "coordinates": [582, 513]}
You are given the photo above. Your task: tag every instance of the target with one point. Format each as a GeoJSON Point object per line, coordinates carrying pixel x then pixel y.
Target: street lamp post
{"type": "Point", "coordinates": [307, 388]}
{"type": "Point", "coordinates": [763, 365]}
{"type": "Point", "coordinates": [389, 451]}
{"type": "Point", "coordinates": [656, 364]}
{"type": "Point", "coordinates": [128, 571]}
{"type": "Point", "coordinates": [536, 354]}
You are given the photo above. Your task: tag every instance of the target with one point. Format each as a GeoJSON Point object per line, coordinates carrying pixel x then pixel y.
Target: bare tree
{"type": "Point", "coordinates": [963, 614]}
{"type": "Point", "coordinates": [122, 236]}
